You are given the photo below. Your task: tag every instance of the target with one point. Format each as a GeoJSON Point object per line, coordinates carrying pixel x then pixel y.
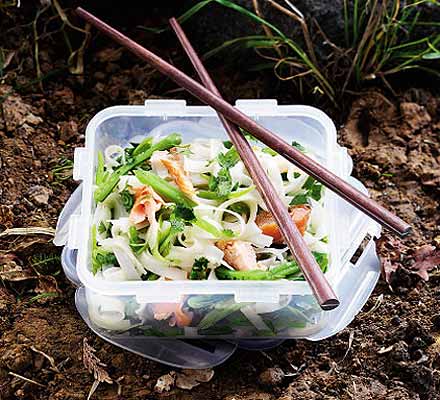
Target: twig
{"type": "Point", "coordinates": [36, 45]}
{"type": "Point", "coordinates": [377, 304]}
{"type": "Point", "coordinates": [350, 343]}
{"type": "Point", "coordinates": [47, 357]}
{"type": "Point", "coordinates": [33, 230]}
{"type": "Point", "coordinates": [266, 29]}
{"type": "Point", "coordinates": [26, 379]}
{"type": "Point", "coordinates": [300, 19]}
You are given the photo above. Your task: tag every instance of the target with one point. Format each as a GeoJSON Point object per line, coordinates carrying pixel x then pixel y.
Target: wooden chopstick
{"type": "Point", "coordinates": [311, 167]}
{"type": "Point", "coordinates": [309, 267]}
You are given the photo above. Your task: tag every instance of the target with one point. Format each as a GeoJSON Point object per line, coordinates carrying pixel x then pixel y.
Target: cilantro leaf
{"type": "Point", "coordinates": [100, 257]}
{"type": "Point", "coordinates": [127, 199]}
{"type": "Point", "coordinates": [199, 270]}
{"type": "Point", "coordinates": [185, 213]}
{"type": "Point", "coordinates": [299, 146]}
{"type": "Point", "coordinates": [312, 189]}
{"type": "Point", "coordinates": [224, 182]}
{"type": "Point", "coordinates": [136, 243]}
{"type": "Point", "coordinates": [180, 216]}
{"type": "Point", "coordinates": [228, 159]}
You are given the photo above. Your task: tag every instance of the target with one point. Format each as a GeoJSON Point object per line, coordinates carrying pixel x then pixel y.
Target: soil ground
{"type": "Point", "coordinates": [391, 350]}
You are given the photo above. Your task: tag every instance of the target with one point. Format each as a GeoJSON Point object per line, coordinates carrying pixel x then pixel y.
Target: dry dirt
{"type": "Point", "coordinates": [391, 350]}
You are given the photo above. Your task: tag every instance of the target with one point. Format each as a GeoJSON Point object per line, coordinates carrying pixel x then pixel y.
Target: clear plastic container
{"type": "Point", "coordinates": [121, 312]}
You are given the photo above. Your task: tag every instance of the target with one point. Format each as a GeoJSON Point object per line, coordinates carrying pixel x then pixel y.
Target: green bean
{"type": "Point", "coordinates": [164, 188]}
{"type": "Point", "coordinates": [106, 187]}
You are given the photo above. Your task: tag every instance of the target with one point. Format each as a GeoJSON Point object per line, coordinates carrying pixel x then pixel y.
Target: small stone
{"type": "Point", "coordinates": [17, 358]}
{"type": "Point", "coordinates": [39, 194]}
{"type": "Point", "coordinates": [68, 130]}
{"type": "Point", "coordinates": [414, 115]}
{"type": "Point", "coordinates": [271, 377]}
{"type": "Point", "coordinates": [400, 351]}
{"type": "Point", "coordinates": [396, 320]}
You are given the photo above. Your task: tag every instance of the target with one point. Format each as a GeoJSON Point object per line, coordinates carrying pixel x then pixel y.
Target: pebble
{"type": "Point", "coordinates": [271, 377]}
{"type": "Point", "coordinates": [39, 194]}
{"type": "Point", "coordinates": [17, 358]}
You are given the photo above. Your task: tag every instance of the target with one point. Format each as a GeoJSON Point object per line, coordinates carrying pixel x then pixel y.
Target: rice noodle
{"type": "Point", "coordinates": [228, 216]}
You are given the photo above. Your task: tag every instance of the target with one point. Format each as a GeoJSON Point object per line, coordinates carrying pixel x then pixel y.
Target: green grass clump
{"type": "Point", "coordinates": [379, 41]}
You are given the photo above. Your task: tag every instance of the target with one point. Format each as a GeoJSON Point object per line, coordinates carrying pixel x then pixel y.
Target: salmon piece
{"type": "Point", "coordinates": [238, 254]}
{"type": "Point", "coordinates": [300, 215]}
{"type": "Point", "coordinates": [147, 203]}
{"type": "Point", "coordinates": [174, 164]}
{"type": "Point", "coordinates": [173, 312]}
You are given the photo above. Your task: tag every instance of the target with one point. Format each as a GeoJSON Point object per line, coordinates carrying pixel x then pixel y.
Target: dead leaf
{"type": "Point", "coordinates": [190, 378]}
{"type": "Point", "coordinates": [11, 271]}
{"type": "Point", "coordinates": [427, 257]}
{"type": "Point", "coordinates": [390, 251]}
{"type": "Point", "coordinates": [39, 194]}
{"type": "Point", "coordinates": [165, 382]}
{"type": "Point", "coordinates": [94, 365]}
{"type": "Point", "coordinates": [47, 284]}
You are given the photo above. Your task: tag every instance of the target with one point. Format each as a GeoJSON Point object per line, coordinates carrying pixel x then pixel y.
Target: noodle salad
{"type": "Point", "coordinates": [174, 211]}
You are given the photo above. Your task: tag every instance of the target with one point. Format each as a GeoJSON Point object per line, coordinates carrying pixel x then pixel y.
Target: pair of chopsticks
{"type": "Point", "coordinates": [210, 95]}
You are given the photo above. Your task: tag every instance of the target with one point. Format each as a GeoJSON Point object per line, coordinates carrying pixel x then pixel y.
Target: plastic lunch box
{"type": "Point", "coordinates": [251, 314]}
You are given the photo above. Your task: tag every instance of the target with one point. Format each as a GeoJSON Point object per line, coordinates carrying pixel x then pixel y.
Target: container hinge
{"type": "Point", "coordinates": [80, 163]}
{"type": "Point", "coordinates": [163, 108]}
{"type": "Point", "coordinates": [257, 106]}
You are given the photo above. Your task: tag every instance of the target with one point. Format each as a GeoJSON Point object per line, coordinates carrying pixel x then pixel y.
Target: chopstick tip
{"type": "Point", "coordinates": [406, 231]}
{"type": "Point", "coordinates": [330, 304]}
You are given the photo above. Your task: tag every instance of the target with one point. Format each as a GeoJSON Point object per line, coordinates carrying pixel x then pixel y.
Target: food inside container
{"type": "Point", "coordinates": [173, 210]}
{"type": "Point", "coordinates": [174, 240]}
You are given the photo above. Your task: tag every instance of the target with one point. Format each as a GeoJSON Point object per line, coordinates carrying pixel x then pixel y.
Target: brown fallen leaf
{"type": "Point", "coordinates": [93, 364]}
{"type": "Point", "coordinates": [427, 257]}
{"type": "Point", "coordinates": [390, 251]}
{"type": "Point", "coordinates": [190, 378]}
{"type": "Point", "coordinates": [11, 271]}
{"type": "Point", "coordinates": [165, 382]}
{"type": "Point", "coordinates": [47, 284]}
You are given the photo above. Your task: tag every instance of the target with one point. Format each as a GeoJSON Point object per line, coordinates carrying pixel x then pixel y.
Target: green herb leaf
{"type": "Point", "coordinates": [299, 199]}
{"type": "Point", "coordinates": [136, 243]}
{"type": "Point", "coordinates": [149, 276]}
{"type": "Point", "coordinates": [100, 257]}
{"type": "Point", "coordinates": [185, 213]}
{"type": "Point", "coordinates": [199, 270]}
{"type": "Point", "coordinates": [299, 146]}
{"type": "Point", "coordinates": [127, 199]}
{"type": "Point", "coordinates": [229, 159]}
